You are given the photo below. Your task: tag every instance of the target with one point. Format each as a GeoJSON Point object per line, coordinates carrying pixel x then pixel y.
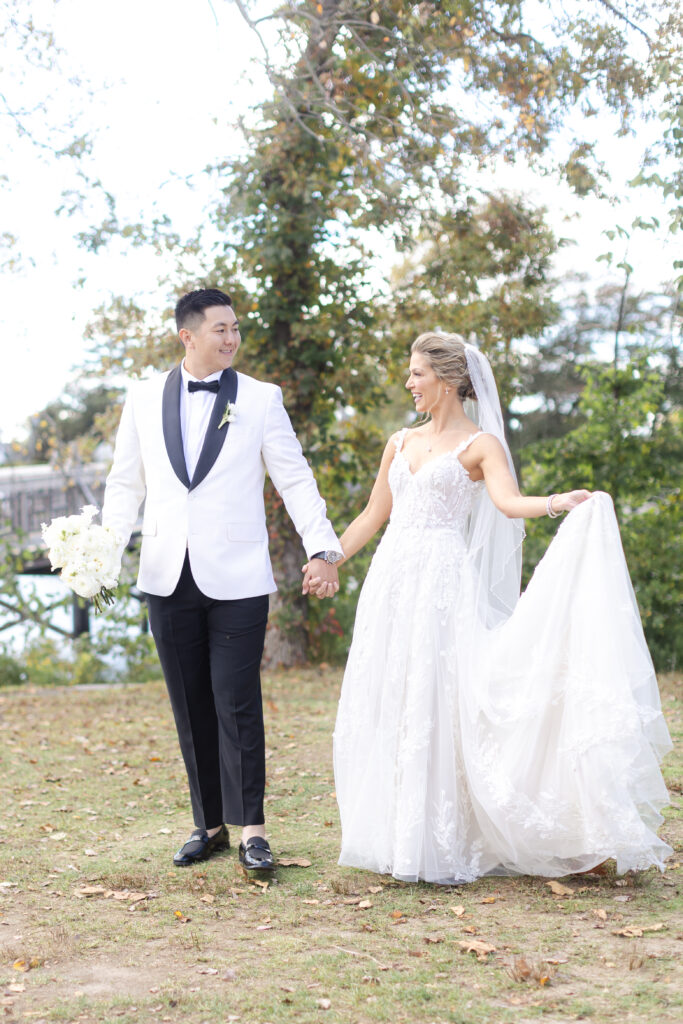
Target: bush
{"type": "Point", "coordinates": [12, 672]}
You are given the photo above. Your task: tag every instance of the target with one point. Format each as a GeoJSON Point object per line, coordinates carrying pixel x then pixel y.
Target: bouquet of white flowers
{"type": "Point", "coordinates": [87, 554]}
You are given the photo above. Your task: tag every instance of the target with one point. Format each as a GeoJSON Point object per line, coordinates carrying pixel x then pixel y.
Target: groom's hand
{"type": "Point", "coordinates": [320, 578]}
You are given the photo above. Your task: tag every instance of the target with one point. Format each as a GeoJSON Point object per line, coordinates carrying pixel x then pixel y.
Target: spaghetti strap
{"type": "Point", "coordinates": [400, 438]}
{"type": "Point", "coordinates": [465, 444]}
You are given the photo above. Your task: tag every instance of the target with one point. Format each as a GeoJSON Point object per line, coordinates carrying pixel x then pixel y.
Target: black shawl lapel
{"type": "Point", "coordinates": [170, 418]}
{"type": "Point", "coordinates": [215, 438]}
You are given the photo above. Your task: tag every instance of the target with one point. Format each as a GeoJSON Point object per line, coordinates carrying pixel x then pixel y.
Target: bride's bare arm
{"type": "Point", "coordinates": [487, 455]}
{"type": "Point", "coordinates": [375, 513]}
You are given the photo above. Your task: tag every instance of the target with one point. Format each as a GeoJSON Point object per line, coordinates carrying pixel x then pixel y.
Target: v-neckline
{"type": "Point", "coordinates": [451, 451]}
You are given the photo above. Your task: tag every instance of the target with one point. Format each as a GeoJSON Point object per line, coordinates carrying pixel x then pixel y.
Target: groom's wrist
{"type": "Point", "coordinates": [331, 557]}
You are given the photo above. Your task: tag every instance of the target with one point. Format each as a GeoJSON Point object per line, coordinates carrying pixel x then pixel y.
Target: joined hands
{"type": "Point", "coordinates": [320, 578]}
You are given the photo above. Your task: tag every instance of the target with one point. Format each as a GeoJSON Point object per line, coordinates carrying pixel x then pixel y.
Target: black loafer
{"type": "Point", "coordinates": [200, 845]}
{"type": "Point", "coordinates": [256, 855]}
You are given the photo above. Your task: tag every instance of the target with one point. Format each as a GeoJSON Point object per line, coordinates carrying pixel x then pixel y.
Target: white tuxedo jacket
{"type": "Point", "coordinates": [219, 515]}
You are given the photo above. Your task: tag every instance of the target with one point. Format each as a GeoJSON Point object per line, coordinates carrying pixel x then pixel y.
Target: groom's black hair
{"type": "Point", "coordinates": [190, 308]}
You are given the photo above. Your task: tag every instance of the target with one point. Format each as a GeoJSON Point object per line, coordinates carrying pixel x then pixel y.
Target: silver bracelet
{"type": "Point", "coordinates": [549, 507]}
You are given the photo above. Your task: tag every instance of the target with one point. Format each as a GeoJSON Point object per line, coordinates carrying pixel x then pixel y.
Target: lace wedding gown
{"type": "Point", "coordinates": [530, 748]}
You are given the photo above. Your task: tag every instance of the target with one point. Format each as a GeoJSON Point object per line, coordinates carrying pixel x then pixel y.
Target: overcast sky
{"type": "Point", "coordinates": [163, 72]}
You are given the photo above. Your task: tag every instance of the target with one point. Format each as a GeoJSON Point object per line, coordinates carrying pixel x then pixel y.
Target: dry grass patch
{"type": "Point", "coordinates": [94, 798]}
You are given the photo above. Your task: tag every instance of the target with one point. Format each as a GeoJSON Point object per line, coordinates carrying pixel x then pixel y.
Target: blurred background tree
{"type": "Point", "coordinates": [369, 155]}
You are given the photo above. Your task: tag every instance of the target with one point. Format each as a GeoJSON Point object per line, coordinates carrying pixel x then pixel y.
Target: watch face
{"type": "Point", "coordinates": [332, 557]}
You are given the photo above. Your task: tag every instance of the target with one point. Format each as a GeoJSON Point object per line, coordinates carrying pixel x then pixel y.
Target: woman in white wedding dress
{"type": "Point", "coordinates": [477, 733]}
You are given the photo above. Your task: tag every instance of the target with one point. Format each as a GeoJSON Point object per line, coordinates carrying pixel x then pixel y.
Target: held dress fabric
{"type": "Point", "coordinates": [531, 748]}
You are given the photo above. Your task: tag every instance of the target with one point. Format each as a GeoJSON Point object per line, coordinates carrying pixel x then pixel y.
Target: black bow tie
{"type": "Point", "coordinates": [203, 385]}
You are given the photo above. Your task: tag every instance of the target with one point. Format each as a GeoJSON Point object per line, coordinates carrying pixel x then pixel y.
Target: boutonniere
{"type": "Point", "coordinates": [229, 415]}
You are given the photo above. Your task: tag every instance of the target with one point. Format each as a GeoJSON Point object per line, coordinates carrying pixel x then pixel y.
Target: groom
{"type": "Point", "coordinates": [195, 443]}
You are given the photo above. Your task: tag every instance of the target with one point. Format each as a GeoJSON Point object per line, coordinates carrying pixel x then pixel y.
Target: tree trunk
{"type": "Point", "coordinates": [286, 636]}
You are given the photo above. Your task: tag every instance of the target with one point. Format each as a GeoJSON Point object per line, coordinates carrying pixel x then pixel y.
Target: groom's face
{"type": "Point", "coordinates": [211, 343]}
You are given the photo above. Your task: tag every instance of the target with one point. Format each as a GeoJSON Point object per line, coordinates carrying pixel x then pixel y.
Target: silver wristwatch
{"type": "Point", "coordinates": [328, 556]}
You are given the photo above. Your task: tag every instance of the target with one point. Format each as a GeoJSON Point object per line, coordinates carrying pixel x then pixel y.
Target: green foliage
{"type": "Point", "coordinates": [629, 443]}
{"type": "Point", "coordinates": [12, 672]}
{"type": "Point", "coordinates": [377, 118]}
{"type": "Point", "coordinates": [65, 427]}
{"type": "Point", "coordinates": [45, 664]}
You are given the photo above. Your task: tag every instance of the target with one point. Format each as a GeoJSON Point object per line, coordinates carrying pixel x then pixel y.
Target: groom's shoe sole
{"type": "Point", "coordinates": [200, 846]}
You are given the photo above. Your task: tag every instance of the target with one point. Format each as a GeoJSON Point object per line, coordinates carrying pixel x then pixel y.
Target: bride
{"type": "Point", "coordinates": [479, 732]}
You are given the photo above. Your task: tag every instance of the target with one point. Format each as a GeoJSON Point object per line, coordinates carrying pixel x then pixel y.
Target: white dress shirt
{"type": "Point", "coordinates": [195, 412]}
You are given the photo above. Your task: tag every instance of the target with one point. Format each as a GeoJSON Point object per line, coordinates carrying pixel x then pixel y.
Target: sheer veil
{"type": "Point", "coordinates": [494, 541]}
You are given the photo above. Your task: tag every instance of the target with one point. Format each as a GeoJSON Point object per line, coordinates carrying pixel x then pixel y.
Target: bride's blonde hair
{"type": "Point", "coordinates": [446, 355]}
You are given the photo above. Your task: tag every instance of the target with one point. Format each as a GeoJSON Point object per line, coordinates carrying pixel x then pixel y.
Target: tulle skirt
{"type": "Point", "coordinates": [532, 748]}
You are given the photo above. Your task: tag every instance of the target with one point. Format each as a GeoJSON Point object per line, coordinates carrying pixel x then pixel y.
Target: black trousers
{"type": "Point", "coordinates": [210, 652]}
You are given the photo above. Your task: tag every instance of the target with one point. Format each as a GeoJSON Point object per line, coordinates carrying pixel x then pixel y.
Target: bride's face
{"type": "Point", "coordinates": [423, 383]}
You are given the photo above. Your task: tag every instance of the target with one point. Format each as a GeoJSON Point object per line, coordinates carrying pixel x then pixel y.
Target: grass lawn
{"type": "Point", "coordinates": [96, 925]}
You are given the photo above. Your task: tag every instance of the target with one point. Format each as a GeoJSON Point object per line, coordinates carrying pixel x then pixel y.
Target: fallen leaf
{"type": "Point", "coordinates": [415, 952]}
{"type": "Point", "coordinates": [560, 890]}
{"type": "Point", "coordinates": [396, 914]}
{"type": "Point", "coordinates": [324, 1004]}
{"type": "Point", "coordinates": [602, 914]}
{"type": "Point", "coordinates": [433, 938]}
{"type": "Point", "coordinates": [16, 986]}
{"type": "Point", "coordinates": [489, 899]}
{"type": "Point", "coordinates": [207, 970]}
{"type": "Point", "coordinates": [263, 927]}
{"type": "Point", "coordinates": [90, 853]}
{"type": "Point", "coordinates": [208, 898]}
{"type": "Point", "coordinates": [259, 883]}
{"type": "Point", "coordinates": [125, 896]}
{"type": "Point", "coordinates": [311, 902]}
{"type": "Point", "coordinates": [58, 835]}
{"type": "Point", "coordinates": [364, 905]}
{"type": "Point", "coordinates": [87, 891]}
{"type": "Point", "coordinates": [374, 888]}
{"type": "Point", "coordinates": [458, 911]}
{"type": "Point", "coordinates": [293, 862]}
{"type": "Point", "coordinates": [470, 929]}
{"type": "Point", "coordinates": [181, 917]}
{"type": "Point", "coordinates": [482, 949]}
{"type": "Point", "coordinates": [634, 932]}
{"type": "Point", "coordinates": [22, 964]}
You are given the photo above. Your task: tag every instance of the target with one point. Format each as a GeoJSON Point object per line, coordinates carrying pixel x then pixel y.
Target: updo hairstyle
{"type": "Point", "coordinates": [446, 355]}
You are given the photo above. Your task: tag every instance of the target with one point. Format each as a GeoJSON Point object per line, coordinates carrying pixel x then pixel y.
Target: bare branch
{"type": "Point", "coordinates": [622, 17]}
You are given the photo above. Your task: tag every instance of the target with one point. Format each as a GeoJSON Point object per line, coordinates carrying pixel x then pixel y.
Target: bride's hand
{"type": "Point", "coordinates": [569, 500]}
{"type": "Point", "coordinates": [316, 585]}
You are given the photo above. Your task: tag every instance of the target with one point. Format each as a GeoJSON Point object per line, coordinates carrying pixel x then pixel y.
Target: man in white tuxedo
{"type": "Point", "coordinates": [195, 444]}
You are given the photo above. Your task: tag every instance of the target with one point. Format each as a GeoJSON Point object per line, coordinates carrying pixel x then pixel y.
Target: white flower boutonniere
{"type": "Point", "coordinates": [229, 416]}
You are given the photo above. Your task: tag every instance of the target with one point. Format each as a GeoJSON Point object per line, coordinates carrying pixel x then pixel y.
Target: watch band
{"type": "Point", "coordinates": [328, 556]}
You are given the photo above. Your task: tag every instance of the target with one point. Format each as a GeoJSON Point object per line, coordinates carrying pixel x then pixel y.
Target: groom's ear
{"type": "Point", "coordinates": [185, 336]}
